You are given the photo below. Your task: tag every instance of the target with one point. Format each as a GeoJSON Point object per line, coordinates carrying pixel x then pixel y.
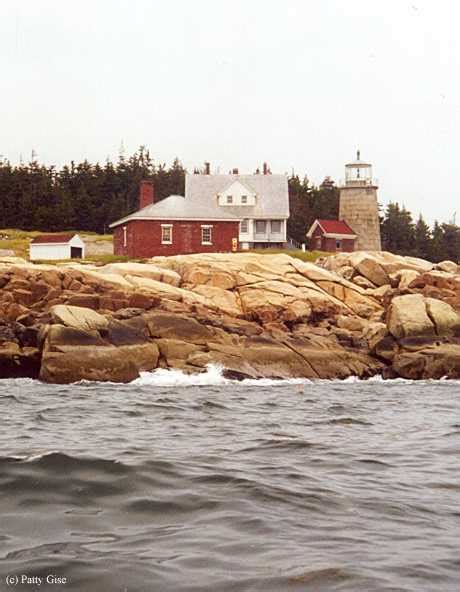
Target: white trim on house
{"type": "Point", "coordinates": [203, 228]}
{"type": "Point", "coordinates": [339, 236]}
{"type": "Point", "coordinates": [174, 219]}
{"type": "Point", "coordinates": [170, 228]}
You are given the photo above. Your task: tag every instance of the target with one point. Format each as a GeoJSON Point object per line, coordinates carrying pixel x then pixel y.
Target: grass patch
{"type": "Point", "coordinates": [104, 259]}
{"type": "Point", "coordinates": [92, 260]}
{"type": "Point", "coordinates": [310, 256]}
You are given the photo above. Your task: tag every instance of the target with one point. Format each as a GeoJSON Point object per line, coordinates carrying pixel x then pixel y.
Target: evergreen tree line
{"type": "Point", "coordinates": [81, 196]}
{"type": "Point", "coordinates": [400, 233]}
{"type": "Point", "coordinates": [89, 197]}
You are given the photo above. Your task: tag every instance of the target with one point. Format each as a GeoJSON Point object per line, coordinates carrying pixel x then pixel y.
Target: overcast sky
{"type": "Point", "coordinates": [299, 83]}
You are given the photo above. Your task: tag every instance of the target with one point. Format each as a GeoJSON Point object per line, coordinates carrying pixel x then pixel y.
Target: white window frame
{"type": "Point", "coordinates": [256, 223]}
{"type": "Point", "coordinates": [163, 228]}
{"type": "Point", "coordinates": [229, 199]}
{"type": "Point", "coordinates": [203, 228]}
{"type": "Point", "coordinates": [246, 229]}
{"type": "Point", "coordinates": [244, 199]}
{"type": "Point", "coordinates": [280, 225]}
{"type": "Point", "coordinates": [125, 240]}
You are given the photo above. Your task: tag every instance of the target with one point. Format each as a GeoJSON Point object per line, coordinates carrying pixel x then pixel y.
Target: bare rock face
{"type": "Point", "coordinates": [405, 277]}
{"type": "Point", "coordinates": [446, 321]}
{"type": "Point", "coordinates": [257, 315]}
{"type": "Point", "coordinates": [88, 363]}
{"type": "Point", "coordinates": [448, 266]}
{"type": "Point", "coordinates": [438, 361]}
{"type": "Point", "coordinates": [407, 317]}
{"type": "Point", "coordinates": [372, 270]}
{"type": "Point", "coordinates": [78, 317]}
{"type": "Point", "coordinates": [18, 362]}
{"type": "Point", "coordinates": [71, 354]}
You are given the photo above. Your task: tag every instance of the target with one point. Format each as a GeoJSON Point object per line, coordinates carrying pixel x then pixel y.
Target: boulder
{"type": "Point", "coordinates": [405, 277]}
{"type": "Point", "coordinates": [374, 333]}
{"type": "Point", "coordinates": [443, 316]}
{"type": "Point", "coordinates": [351, 323]}
{"type": "Point", "coordinates": [436, 361]}
{"type": "Point", "coordinates": [360, 280]}
{"type": "Point", "coordinates": [17, 362]}
{"type": "Point", "coordinates": [373, 271]}
{"type": "Point", "coordinates": [78, 317]}
{"type": "Point", "coordinates": [98, 363]}
{"type": "Point", "coordinates": [64, 338]}
{"type": "Point", "coordinates": [178, 326]}
{"type": "Point", "coordinates": [146, 270]}
{"type": "Point", "coordinates": [448, 266]}
{"type": "Point", "coordinates": [174, 350]}
{"type": "Point", "coordinates": [219, 298]}
{"type": "Point", "coordinates": [407, 316]}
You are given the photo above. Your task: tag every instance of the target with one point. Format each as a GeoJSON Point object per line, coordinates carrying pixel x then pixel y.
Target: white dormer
{"type": "Point", "coordinates": [237, 194]}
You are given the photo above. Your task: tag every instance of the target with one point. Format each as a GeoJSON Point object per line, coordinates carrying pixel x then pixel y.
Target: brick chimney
{"type": "Point", "coordinates": [265, 168]}
{"type": "Point", "coordinates": [146, 194]}
{"type": "Point", "coordinates": [235, 171]}
{"type": "Point", "coordinates": [207, 168]}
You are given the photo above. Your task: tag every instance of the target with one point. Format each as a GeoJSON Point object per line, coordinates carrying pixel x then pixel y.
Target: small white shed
{"type": "Point", "coordinates": [57, 246]}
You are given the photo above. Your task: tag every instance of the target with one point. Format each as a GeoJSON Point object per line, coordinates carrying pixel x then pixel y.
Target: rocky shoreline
{"type": "Point", "coordinates": [259, 316]}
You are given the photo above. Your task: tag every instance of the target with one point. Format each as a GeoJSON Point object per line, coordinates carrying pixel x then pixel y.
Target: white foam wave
{"type": "Point", "coordinates": [213, 376]}
{"type": "Point", "coordinates": [165, 377]}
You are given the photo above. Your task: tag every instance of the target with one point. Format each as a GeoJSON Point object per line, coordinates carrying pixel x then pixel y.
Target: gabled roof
{"type": "Point", "coordinates": [228, 187]}
{"type": "Point", "coordinates": [332, 228]}
{"type": "Point", "coordinates": [271, 190]}
{"type": "Point", "coordinates": [53, 238]}
{"type": "Point", "coordinates": [176, 207]}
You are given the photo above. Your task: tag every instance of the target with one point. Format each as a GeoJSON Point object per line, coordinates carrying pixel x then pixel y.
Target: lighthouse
{"type": "Point", "coordinates": [358, 205]}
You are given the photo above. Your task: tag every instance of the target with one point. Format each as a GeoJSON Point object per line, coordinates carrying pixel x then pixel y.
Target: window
{"type": "Point", "coordinates": [260, 226]}
{"type": "Point", "coordinates": [244, 199]}
{"type": "Point", "coordinates": [229, 199]}
{"type": "Point", "coordinates": [244, 226]}
{"type": "Point", "coordinates": [206, 235]}
{"type": "Point", "coordinates": [166, 234]}
{"type": "Point", "coordinates": [275, 226]}
{"type": "Point", "coordinates": [338, 245]}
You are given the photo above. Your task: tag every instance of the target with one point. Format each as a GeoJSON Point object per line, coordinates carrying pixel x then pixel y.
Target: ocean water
{"type": "Point", "coordinates": [198, 483]}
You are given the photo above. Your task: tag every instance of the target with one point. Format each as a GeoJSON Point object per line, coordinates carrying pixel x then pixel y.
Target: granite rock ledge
{"type": "Point", "coordinates": [258, 316]}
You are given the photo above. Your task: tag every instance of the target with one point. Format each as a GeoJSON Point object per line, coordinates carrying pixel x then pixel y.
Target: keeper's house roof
{"type": "Point", "coordinates": [176, 207]}
{"type": "Point", "coordinates": [271, 191]}
{"type": "Point", "coordinates": [332, 228]}
{"type": "Point", "coordinates": [47, 239]}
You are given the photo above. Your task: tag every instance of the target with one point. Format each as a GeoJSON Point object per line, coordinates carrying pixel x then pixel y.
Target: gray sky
{"type": "Point", "coordinates": [300, 84]}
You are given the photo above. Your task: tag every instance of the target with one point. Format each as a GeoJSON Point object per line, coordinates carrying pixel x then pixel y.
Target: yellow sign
{"type": "Point", "coordinates": [234, 244]}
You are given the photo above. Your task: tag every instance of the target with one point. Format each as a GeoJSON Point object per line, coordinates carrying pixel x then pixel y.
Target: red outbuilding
{"type": "Point", "coordinates": [173, 226]}
{"type": "Point", "coordinates": [331, 236]}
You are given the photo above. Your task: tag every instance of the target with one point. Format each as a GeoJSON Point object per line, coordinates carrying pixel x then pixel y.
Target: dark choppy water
{"type": "Point", "coordinates": [231, 487]}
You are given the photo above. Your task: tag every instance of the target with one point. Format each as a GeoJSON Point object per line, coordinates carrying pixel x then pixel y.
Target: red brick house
{"type": "Point", "coordinates": [173, 226]}
{"type": "Point", "coordinates": [331, 236]}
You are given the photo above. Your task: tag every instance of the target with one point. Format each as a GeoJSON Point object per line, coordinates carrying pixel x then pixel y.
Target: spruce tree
{"type": "Point", "coordinates": [422, 239]}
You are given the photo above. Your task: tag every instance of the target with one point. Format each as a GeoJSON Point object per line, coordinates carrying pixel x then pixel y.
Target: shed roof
{"type": "Point", "coordinates": [176, 207]}
{"type": "Point", "coordinates": [335, 226]}
{"type": "Point", "coordinates": [332, 227]}
{"type": "Point", "coordinates": [53, 238]}
{"type": "Point", "coordinates": [272, 190]}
